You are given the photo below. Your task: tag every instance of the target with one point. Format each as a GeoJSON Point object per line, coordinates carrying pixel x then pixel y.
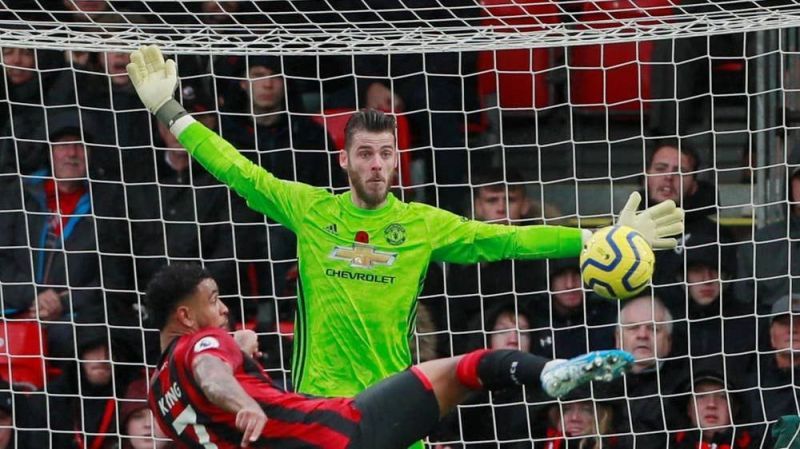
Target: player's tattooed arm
{"type": "Point", "coordinates": [216, 379]}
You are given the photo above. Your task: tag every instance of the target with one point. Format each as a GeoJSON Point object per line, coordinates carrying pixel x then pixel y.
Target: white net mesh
{"type": "Point", "coordinates": [519, 111]}
{"type": "Point", "coordinates": [353, 27]}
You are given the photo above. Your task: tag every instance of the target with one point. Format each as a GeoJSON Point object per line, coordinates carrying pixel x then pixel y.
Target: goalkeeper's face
{"type": "Point", "coordinates": [370, 161]}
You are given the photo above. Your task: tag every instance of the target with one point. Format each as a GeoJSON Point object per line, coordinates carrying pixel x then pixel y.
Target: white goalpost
{"type": "Point", "coordinates": [563, 103]}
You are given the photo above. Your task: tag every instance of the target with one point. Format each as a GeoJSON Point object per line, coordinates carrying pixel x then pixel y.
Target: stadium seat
{"type": "Point", "coordinates": [335, 120]}
{"type": "Point", "coordinates": [614, 76]}
{"type": "Point", "coordinates": [22, 347]}
{"type": "Point", "coordinates": [518, 77]}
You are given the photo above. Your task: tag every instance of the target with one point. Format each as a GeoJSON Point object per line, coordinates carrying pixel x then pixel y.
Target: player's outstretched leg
{"type": "Point", "coordinates": [452, 379]}
{"type": "Point", "coordinates": [407, 406]}
{"type": "Point", "coordinates": [559, 377]}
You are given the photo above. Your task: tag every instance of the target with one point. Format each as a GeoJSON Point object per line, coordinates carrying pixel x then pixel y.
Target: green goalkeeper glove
{"type": "Point", "coordinates": [155, 80]}
{"type": "Point", "coordinates": [654, 223]}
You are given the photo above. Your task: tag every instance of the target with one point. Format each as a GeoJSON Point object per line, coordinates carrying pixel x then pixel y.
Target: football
{"type": "Point", "coordinates": [617, 263]}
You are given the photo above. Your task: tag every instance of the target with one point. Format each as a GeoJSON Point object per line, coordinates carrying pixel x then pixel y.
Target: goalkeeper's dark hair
{"type": "Point", "coordinates": [370, 120]}
{"type": "Point", "coordinates": [169, 286]}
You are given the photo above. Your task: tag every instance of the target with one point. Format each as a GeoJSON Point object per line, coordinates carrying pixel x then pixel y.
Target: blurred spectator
{"type": "Point", "coordinates": [570, 324]}
{"type": "Point", "coordinates": [502, 416]}
{"type": "Point", "coordinates": [25, 94]}
{"type": "Point", "coordinates": [580, 422]}
{"type": "Point", "coordinates": [218, 12]}
{"type": "Point", "coordinates": [22, 419]}
{"type": "Point", "coordinates": [137, 427]}
{"type": "Point", "coordinates": [123, 149]}
{"type": "Point", "coordinates": [254, 242]}
{"type": "Point", "coordinates": [717, 323]}
{"type": "Point", "coordinates": [258, 122]}
{"type": "Point", "coordinates": [672, 175]}
{"type": "Point", "coordinates": [185, 216]}
{"type": "Point", "coordinates": [507, 328]}
{"type": "Point", "coordinates": [769, 265]}
{"type": "Point", "coordinates": [425, 343]}
{"type": "Point", "coordinates": [473, 288]}
{"type": "Point", "coordinates": [290, 146]}
{"type": "Point", "coordinates": [82, 404]}
{"type": "Point", "coordinates": [777, 380]}
{"type": "Point", "coordinates": [82, 11]}
{"type": "Point", "coordinates": [645, 330]}
{"type": "Point", "coordinates": [686, 71]}
{"type": "Point", "coordinates": [52, 266]}
{"type": "Point", "coordinates": [715, 413]}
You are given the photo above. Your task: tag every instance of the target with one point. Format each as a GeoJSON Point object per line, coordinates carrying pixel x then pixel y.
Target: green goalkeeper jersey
{"type": "Point", "coordinates": [360, 271]}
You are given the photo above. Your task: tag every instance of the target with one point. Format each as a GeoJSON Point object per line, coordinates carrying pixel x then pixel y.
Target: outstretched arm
{"type": "Point", "coordinates": [155, 79]}
{"type": "Point", "coordinates": [216, 379]}
{"type": "Point", "coordinates": [459, 240]}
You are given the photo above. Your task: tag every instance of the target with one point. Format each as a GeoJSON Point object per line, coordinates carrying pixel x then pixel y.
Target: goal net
{"type": "Point", "coordinates": [510, 111]}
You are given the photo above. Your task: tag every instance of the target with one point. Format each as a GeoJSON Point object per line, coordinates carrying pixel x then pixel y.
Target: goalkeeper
{"type": "Point", "coordinates": [363, 255]}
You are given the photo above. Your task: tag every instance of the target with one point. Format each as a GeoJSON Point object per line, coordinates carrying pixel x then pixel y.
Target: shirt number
{"type": "Point", "coordinates": [188, 417]}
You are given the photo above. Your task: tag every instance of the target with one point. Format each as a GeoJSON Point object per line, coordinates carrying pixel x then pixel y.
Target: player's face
{"type": "Point", "coordinates": [567, 292]}
{"type": "Point", "coordinates": [506, 333]}
{"type": "Point", "coordinates": [579, 419]}
{"type": "Point", "coordinates": [96, 366]}
{"type": "Point", "coordinates": [370, 160]}
{"type": "Point", "coordinates": [784, 332]}
{"type": "Point", "coordinates": [640, 334]}
{"type": "Point", "coordinates": [664, 179]}
{"type": "Point", "coordinates": [208, 310]}
{"type": "Point", "coordinates": [69, 158]}
{"type": "Point", "coordinates": [703, 284]}
{"type": "Point", "coordinates": [711, 404]}
{"type": "Point", "coordinates": [265, 88]}
{"type": "Point", "coordinates": [19, 63]}
{"type": "Point", "coordinates": [495, 206]}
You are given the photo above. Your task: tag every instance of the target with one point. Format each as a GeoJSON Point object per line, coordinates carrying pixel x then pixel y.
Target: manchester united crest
{"type": "Point", "coordinates": [395, 234]}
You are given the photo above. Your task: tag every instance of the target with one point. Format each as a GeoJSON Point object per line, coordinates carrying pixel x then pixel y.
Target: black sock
{"type": "Point", "coordinates": [506, 368]}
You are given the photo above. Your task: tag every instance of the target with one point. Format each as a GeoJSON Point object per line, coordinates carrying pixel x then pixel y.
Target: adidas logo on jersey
{"type": "Point", "coordinates": [331, 229]}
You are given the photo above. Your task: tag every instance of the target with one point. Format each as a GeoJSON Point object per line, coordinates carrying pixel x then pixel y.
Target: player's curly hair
{"type": "Point", "coordinates": [169, 286]}
{"type": "Point", "coordinates": [370, 120]}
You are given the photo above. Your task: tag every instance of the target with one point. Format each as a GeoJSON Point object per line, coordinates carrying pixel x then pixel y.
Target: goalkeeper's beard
{"type": "Point", "coordinates": [372, 194]}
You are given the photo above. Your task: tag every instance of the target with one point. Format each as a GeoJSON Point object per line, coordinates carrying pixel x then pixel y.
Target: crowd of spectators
{"type": "Point", "coordinates": [95, 196]}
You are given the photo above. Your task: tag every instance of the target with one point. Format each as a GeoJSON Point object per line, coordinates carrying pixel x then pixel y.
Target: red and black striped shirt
{"type": "Point", "coordinates": [187, 416]}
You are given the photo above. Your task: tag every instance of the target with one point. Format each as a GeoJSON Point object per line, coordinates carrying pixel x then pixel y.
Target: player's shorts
{"type": "Point", "coordinates": [396, 412]}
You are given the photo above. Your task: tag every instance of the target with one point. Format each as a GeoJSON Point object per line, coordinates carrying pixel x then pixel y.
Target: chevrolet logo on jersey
{"type": "Point", "coordinates": [363, 256]}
